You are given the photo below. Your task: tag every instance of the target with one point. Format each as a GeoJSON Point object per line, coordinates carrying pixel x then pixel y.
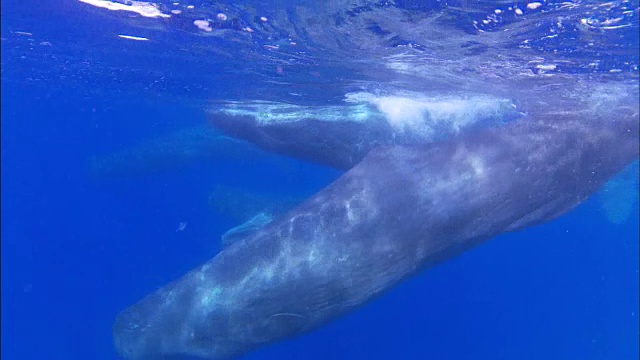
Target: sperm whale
{"type": "Point", "coordinates": [400, 210]}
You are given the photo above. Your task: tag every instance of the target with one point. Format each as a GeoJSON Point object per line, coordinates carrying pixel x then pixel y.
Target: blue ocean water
{"type": "Point", "coordinates": [78, 246]}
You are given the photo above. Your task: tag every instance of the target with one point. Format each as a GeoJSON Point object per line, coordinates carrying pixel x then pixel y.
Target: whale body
{"type": "Point", "coordinates": [400, 210]}
{"type": "Point", "coordinates": [340, 136]}
{"type": "Point", "coordinates": [337, 136]}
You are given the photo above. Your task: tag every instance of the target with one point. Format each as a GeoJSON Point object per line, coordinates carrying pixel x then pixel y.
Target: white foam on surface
{"type": "Point", "coordinates": [141, 8]}
{"type": "Point", "coordinates": [419, 114]}
{"type": "Point", "coordinates": [411, 116]}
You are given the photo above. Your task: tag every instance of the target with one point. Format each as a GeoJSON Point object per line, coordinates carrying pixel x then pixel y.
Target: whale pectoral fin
{"type": "Point", "coordinates": [247, 228]}
{"type": "Point", "coordinates": [619, 196]}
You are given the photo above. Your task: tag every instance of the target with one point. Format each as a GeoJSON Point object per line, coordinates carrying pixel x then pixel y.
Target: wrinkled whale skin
{"type": "Point", "coordinates": [400, 210]}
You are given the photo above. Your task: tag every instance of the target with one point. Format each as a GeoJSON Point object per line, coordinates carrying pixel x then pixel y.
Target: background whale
{"type": "Point", "coordinates": [340, 136]}
{"type": "Point", "coordinates": [402, 209]}
{"type": "Point", "coordinates": [337, 136]}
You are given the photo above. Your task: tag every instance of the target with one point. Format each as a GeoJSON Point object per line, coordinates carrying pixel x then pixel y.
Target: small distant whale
{"type": "Point", "coordinates": [400, 209]}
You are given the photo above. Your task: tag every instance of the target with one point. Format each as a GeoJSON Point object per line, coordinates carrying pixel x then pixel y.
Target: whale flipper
{"type": "Point", "coordinates": [619, 195]}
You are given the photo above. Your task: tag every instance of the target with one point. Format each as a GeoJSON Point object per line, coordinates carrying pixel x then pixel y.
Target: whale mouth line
{"type": "Point", "coordinates": [288, 314]}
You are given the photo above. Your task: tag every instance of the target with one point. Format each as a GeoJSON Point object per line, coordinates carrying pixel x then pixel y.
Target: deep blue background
{"type": "Point", "coordinates": [76, 250]}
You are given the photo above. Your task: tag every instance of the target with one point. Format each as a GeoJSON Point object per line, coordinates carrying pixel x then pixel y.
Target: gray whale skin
{"type": "Point", "coordinates": [400, 210]}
